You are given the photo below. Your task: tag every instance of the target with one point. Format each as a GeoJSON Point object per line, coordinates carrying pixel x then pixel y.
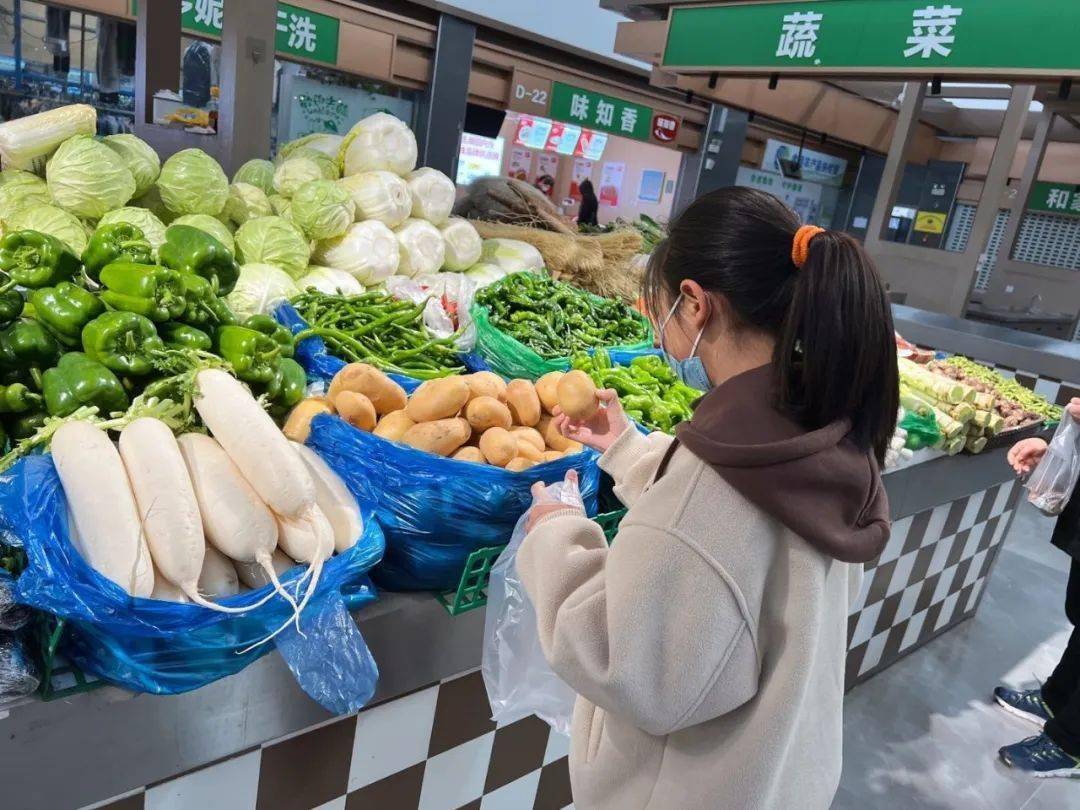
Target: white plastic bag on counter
{"type": "Point", "coordinates": [441, 290]}
{"type": "Point", "coordinates": [518, 678]}
{"type": "Point", "coordinates": [1051, 483]}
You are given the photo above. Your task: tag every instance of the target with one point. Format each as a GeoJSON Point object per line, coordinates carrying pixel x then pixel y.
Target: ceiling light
{"type": "Point", "coordinates": [998, 104]}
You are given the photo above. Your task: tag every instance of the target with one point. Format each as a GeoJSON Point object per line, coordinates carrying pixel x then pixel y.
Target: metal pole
{"type": "Point", "coordinates": [888, 190]}
{"type": "Point", "coordinates": [82, 55]}
{"type": "Point", "coordinates": [17, 8]}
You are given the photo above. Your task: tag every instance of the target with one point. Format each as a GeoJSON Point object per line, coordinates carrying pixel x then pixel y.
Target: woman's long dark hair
{"type": "Point", "coordinates": [835, 352]}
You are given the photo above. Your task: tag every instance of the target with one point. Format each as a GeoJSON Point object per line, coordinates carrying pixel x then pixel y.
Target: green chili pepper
{"type": "Point", "coordinates": [183, 336]}
{"type": "Point", "coordinates": [288, 386]}
{"type": "Point", "coordinates": [17, 398]}
{"type": "Point", "coordinates": [78, 381]}
{"type": "Point", "coordinates": [32, 259]}
{"type": "Point", "coordinates": [252, 354]}
{"type": "Point", "coordinates": [272, 329]}
{"type": "Point", "coordinates": [11, 306]}
{"type": "Point", "coordinates": [154, 292]}
{"type": "Point", "coordinates": [122, 342]}
{"type": "Point", "coordinates": [65, 309]}
{"type": "Point", "coordinates": [118, 242]}
{"type": "Point", "coordinates": [190, 250]}
{"type": "Point", "coordinates": [25, 425]}
{"type": "Point", "coordinates": [26, 345]}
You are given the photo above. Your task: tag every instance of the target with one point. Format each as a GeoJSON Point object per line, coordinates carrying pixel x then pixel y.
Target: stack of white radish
{"type": "Point", "coordinates": [189, 519]}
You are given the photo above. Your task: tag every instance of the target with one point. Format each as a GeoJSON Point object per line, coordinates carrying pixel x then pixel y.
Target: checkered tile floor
{"type": "Point", "coordinates": [434, 749]}
{"type": "Point", "coordinates": [930, 576]}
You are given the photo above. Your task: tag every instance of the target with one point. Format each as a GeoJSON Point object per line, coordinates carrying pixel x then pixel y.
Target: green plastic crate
{"type": "Point", "coordinates": [58, 678]}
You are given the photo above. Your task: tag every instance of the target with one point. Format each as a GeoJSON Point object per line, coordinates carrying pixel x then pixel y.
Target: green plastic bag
{"type": "Point", "coordinates": [512, 359]}
{"type": "Point", "coordinates": [922, 430]}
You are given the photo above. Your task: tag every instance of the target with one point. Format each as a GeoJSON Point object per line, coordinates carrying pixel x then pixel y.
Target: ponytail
{"type": "Point", "coordinates": [835, 355]}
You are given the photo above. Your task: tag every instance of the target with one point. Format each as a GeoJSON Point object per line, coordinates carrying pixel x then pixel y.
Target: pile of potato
{"type": "Point", "coordinates": [478, 417]}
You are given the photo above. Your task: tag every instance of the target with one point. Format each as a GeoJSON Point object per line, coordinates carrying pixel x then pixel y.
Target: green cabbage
{"type": "Point", "coordinates": [152, 227]}
{"type": "Point", "coordinates": [87, 178]}
{"type": "Point", "coordinates": [260, 173]}
{"type": "Point", "coordinates": [367, 251]}
{"type": "Point", "coordinates": [322, 209]}
{"type": "Point", "coordinates": [324, 142]}
{"type": "Point", "coordinates": [246, 202]}
{"type": "Point", "coordinates": [21, 193]}
{"type": "Point", "coordinates": [211, 225]}
{"type": "Point", "coordinates": [151, 201]}
{"type": "Point", "coordinates": [327, 165]}
{"type": "Point", "coordinates": [511, 255]}
{"type": "Point", "coordinates": [329, 280]}
{"type": "Point", "coordinates": [18, 177]}
{"type": "Point", "coordinates": [281, 205]}
{"type": "Point", "coordinates": [51, 220]}
{"type": "Point", "coordinates": [259, 289]}
{"type": "Point", "coordinates": [138, 156]}
{"type": "Point", "coordinates": [379, 142]}
{"type": "Point", "coordinates": [296, 171]}
{"type": "Point", "coordinates": [273, 240]}
{"type": "Point", "coordinates": [192, 182]}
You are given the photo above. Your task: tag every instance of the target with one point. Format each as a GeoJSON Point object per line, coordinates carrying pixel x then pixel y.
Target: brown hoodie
{"type": "Point", "coordinates": [817, 483]}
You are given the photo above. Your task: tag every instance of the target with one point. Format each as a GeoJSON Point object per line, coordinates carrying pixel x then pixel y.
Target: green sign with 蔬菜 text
{"type": "Point", "coordinates": [1055, 198]}
{"type": "Point", "coordinates": [573, 105]}
{"type": "Point", "coordinates": [892, 37]}
{"type": "Point", "coordinates": [300, 32]}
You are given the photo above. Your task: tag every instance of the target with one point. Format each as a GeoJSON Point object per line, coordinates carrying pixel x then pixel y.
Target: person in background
{"type": "Point", "coordinates": [545, 183]}
{"type": "Point", "coordinates": [1055, 706]}
{"type": "Point", "coordinates": [708, 643]}
{"type": "Point", "coordinates": [590, 206]}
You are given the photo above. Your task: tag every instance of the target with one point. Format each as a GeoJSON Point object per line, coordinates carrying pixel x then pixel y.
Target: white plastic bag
{"type": "Point", "coordinates": [1051, 483]}
{"type": "Point", "coordinates": [518, 679]}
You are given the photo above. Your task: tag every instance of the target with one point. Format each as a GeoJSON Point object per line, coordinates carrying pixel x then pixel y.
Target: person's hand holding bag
{"type": "Point", "coordinates": [602, 429]}
{"type": "Point", "coordinates": [546, 503]}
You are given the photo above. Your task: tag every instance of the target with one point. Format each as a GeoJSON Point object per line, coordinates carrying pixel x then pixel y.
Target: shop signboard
{"type": "Point", "coordinates": [894, 38]}
{"type": "Point", "coordinates": [478, 157]}
{"type": "Point", "coordinates": [665, 128]}
{"type": "Point", "coordinates": [300, 32]}
{"type": "Point", "coordinates": [802, 197]}
{"type": "Point", "coordinates": [529, 93]}
{"type": "Point", "coordinates": [611, 180]}
{"type": "Point", "coordinates": [599, 111]}
{"type": "Point", "coordinates": [1055, 198]}
{"type": "Point", "coordinates": [308, 106]}
{"type": "Point", "coordinates": [817, 167]}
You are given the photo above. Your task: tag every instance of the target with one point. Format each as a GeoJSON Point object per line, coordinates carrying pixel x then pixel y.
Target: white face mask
{"type": "Point", "coordinates": [691, 370]}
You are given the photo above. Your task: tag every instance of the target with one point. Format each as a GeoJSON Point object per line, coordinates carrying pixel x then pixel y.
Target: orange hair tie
{"type": "Point", "coordinates": [800, 245]}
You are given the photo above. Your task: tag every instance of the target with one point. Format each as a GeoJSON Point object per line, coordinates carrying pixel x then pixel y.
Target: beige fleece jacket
{"type": "Point", "coordinates": [707, 644]}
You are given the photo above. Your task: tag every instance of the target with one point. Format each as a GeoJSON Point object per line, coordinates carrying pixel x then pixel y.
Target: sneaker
{"type": "Point", "coordinates": [1041, 756]}
{"type": "Point", "coordinates": [1027, 703]}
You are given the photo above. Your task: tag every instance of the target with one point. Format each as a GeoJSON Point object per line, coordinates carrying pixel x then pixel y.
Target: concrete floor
{"type": "Point", "coordinates": [924, 733]}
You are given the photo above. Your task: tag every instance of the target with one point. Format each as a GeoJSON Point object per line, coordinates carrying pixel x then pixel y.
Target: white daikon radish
{"type": "Point", "coordinates": [218, 579]}
{"type": "Point", "coordinates": [102, 506]}
{"type": "Point", "coordinates": [167, 507]}
{"type": "Point", "coordinates": [234, 520]}
{"type": "Point", "coordinates": [165, 591]}
{"type": "Point", "coordinates": [334, 499]}
{"type": "Point", "coordinates": [254, 443]}
{"type": "Point", "coordinates": [255, 576]}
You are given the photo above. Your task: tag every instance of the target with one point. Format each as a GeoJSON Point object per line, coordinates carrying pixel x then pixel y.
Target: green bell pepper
{"type": "Point", "coordinates": [190, 250]}
{"type": "Point", "coordinates": [17, 398]}
{"type": "Point", "coordinates": [32, 260]}
{"type": "Point", "coordinates": [77, 381]}
{"type": "Point", "coordinates": [182, 336]}
{"type": "Point", "coordinates": [289, 385]}
{"type": "Point", "coordinates": [119, 242]}
{"type": "Point", "coordinates": [203, 307]}
{"type": "Point", "coordinates": [122, 342]}
{"type": "Point", "coordinates": [272, 329]}
{"type": "Point", "coordinates": [25, 425]}
{"type": "Point", "coordinates": [252, 354]}
{"type": "Point", "coordinates": [26, 345]}
{"type": "Point", "coordinates": [11, 306]}
{"type": "Point", "coordinates": [65, 309]}
{"type": "Point", "coordinates": [154, 292]}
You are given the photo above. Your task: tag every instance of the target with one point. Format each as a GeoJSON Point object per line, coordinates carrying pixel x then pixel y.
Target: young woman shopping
{"type": "Point", "coordinates": [707, 644]}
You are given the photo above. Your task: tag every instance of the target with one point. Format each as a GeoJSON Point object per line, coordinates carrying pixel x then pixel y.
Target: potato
{"type": "Point", "coordinates": [546, 389]}
{"type": "Point", "coordinates": [486, 384]}
{"type": "Point", "coordinates": [441, 437]}
{"type": "Point", "coordinates": [527, 449]}
{"type": "Point", "coordinates": [393, 425]}
{"type": "Point", "coordinates": [523, 401]}
{"type": "Point", "coordinates": [573, 447]}
{"type": "Point", "coordinates": [298, 425]}
{"type": "Point", "coordinates": [551, 455]}
{"type": "Point", "coordinates": [356, 409]}
{"type": "Point", "coordinates": [487, 412]}
{"type": "Point", "coordinates": [552, 437]}
{"type": "Point", "coordinates": [577, 395]}
{"type": "Point", "coordinates": [438, 399]}
{"type": "Point", "coordinates": [531, 435]}
{"type": "Point", "coordinates": [498, 446]}
{"type": "Point", "coordinates": [519, 464]}
{"type": "Point", "coordinates": [385, 394]}
{"type": "Point", "coordinates": [472, 454]}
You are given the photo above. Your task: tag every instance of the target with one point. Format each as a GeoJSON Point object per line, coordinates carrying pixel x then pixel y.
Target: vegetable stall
{"type": "Point", "coordinates": [303, 410]}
